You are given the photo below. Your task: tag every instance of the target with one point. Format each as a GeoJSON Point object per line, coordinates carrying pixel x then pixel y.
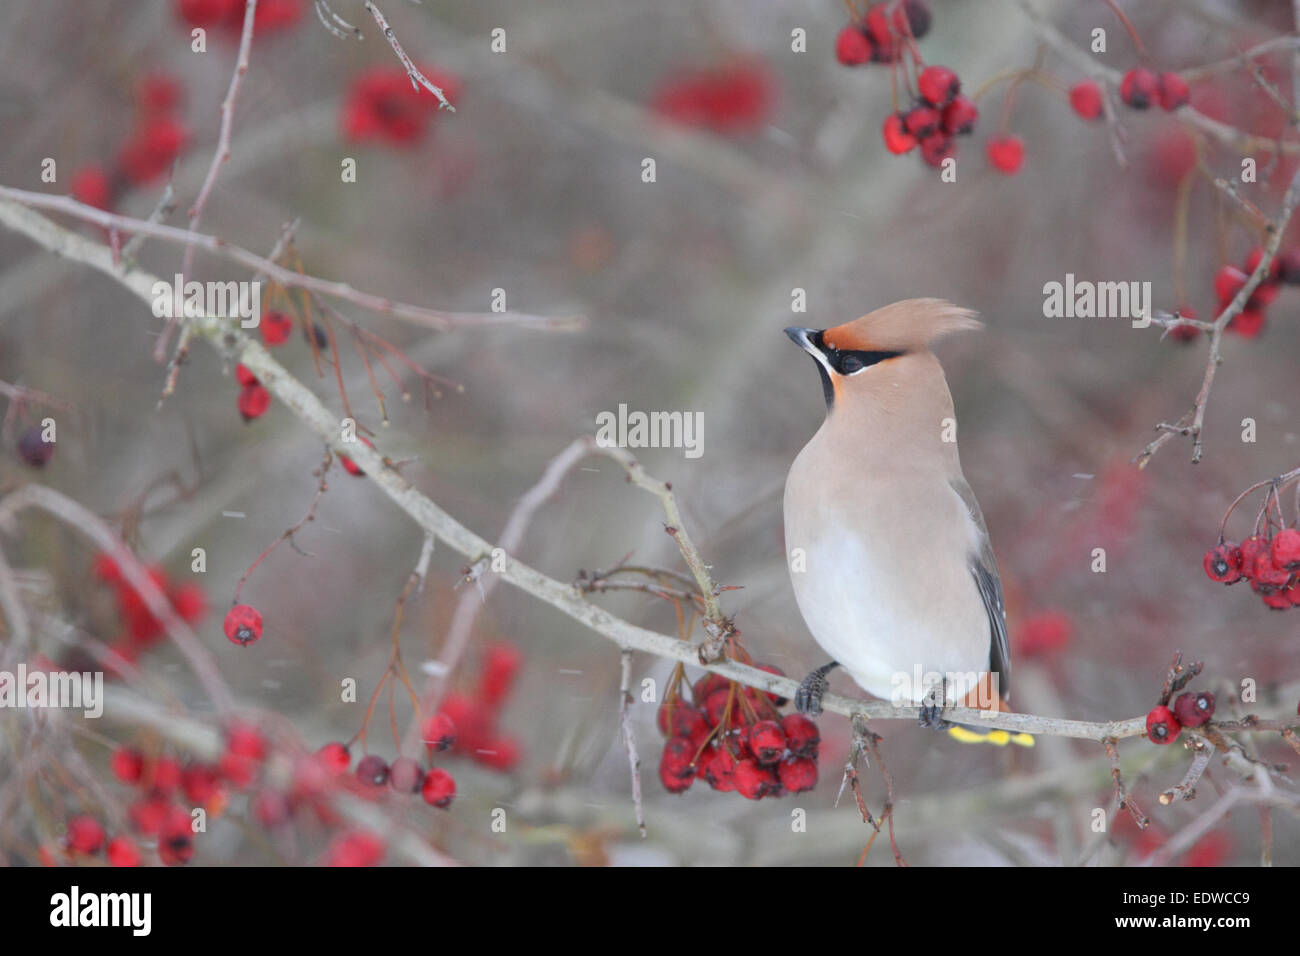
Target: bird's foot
{"type": "Point", "coordinates": [808, 699]}
{"type": "Point", "coordinates": [931, 715]}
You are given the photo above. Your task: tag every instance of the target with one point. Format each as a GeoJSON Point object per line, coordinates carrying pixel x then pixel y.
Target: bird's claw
{"type": "Point", "coordinates": [808, 699]}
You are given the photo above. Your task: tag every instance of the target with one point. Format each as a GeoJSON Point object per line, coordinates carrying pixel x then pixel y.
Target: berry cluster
{"type": "Point", "coordinates": [228, 15]}
{"type": "Point", "coordinates": [1284, 270]}
{"type": "Point", "coordinates": [1270, 562]}
{"type": "Point", "coordinates": [938, 112]}
{"type": "Point", "coordinates": [157, 139]}
{"type": "Point", "coordinates": [734, 98]}
{"type": "Point", "coordinates": [467, 724]}
{"type": "Point", "coordinates": [404, 775]}
{"type": "Point", "coordinates": [382, 106]}
{"type": "Point", "coordinates": [1165, 723]}
{"type": "Point", "coordinates": [253, 399]}
{"type": "Point", "coordinates": [735, 738]}
{"type": "Point", "coordinates": [1141, 87]}
{"type": "Point", "coordinates": [141, 629]}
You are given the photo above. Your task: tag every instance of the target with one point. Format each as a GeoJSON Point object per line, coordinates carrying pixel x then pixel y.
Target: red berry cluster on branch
{"type": "Point", "coordinates": [1140, 87]}
{"type": "Point", "coordinates": [731, 99]}
{"type": "Point", "coordinates": [938, 113]}
{"type": "Point", "coordinates": [382, 106]}
{"type": "Point", "coordinates": [467, 724]}
{"type": "Point", "coordinates": [254, 399]}
{"type": "Point", "coordinates": [735, 738]}
{"type": "Point", "coordinates": [1270, 564]}
{"type": "Point", "coordinates": [141, 629]}
{"type": "Point", "coordinates": [1284, 270]}
{"type": "Point", "coordinates": [228, 15]}
{"type": "Point", "coordinates": [1270, 557]}
{"type": "Point", "coordinates": [1168, 718]}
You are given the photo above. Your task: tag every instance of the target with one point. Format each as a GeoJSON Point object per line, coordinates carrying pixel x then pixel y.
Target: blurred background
{"type": "Point", "coordinates": [770, 177]}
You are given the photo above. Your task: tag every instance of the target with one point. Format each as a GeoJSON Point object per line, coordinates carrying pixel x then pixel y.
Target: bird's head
{"type": "Point", "coordinates": [890, 345]}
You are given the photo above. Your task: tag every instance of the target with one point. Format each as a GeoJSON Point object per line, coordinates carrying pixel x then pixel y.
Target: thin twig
{"type": "Point", "coordinates": [417, 78]}
{"type": "Point", "coordinates": [629, 739]}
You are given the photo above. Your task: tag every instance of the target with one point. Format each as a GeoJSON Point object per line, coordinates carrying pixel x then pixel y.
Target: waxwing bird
{"type": "Point", "coordinates": [890, 559]}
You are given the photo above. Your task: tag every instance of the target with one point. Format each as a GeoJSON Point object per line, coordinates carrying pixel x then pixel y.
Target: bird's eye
{"type": "Point", "coordinates": [850, 364]}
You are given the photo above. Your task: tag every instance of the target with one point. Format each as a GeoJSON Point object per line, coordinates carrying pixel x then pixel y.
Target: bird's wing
{"type": "Point", "coordinates": [984, 568]}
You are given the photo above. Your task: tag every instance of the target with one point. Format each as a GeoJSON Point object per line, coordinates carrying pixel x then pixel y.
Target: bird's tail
{"type": "Point", "coordinates": [999, 738]}
{"type": "Point", "coordinates": [979, 698]}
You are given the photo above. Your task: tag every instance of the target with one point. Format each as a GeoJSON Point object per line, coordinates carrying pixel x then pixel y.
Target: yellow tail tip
{"type": "Point", "coordinates": [999, 738]}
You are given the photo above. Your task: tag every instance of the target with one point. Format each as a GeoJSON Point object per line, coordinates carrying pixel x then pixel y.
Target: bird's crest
{"type": "Point", "coordinates": [907, 326]}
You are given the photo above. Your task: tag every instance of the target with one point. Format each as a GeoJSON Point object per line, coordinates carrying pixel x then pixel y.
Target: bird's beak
{"type": "Point", "coordinates": [803, 338]}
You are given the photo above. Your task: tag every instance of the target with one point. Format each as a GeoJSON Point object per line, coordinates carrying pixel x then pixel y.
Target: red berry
{"type": "Point", "coordinates": [499, 753]}
{"type": "Point", "coordinates": [127, 764]}
{"type": "Point", "coordinates": [245, 740]}
{"type": "Point", "coordinates": [189, 601]}
{"type": "Point", "coordinates": [798, 774]}
{"type": "Point", "coordinates": [1139, 88]}
{"type": "Point", "coordinates": [85, 835]}
{"type": "Point", "coordinates": [1162, 726]}
{"type": "Point", "coordinates": [1192, 710]}
{"type": "Point", "coordinates": [852, 48]}
{"type": "Point", "coordinates": [148, 814]}
{"type": "Point", "coordinates": [122, 851]}
{"type": "Point", "coordinates": [719, 769]}
{"type": "Point", "coordinates": [405, 775]}
{"type": "Point", "coordinates": [200, 783]}
{"type": "Point", "coordinates": [959, 117]}
{"type": "Point", "coordinates": [208, 13]}
{"type": "Point", "coordinates": [243, 624]}
{"type": "Point", "coordinates": [897, 139]}
{"type": "Point", "coordinates": [439, 788]}
{"type": "Point", "coordinates": [167, 775]}
{"type": "Point", "coordinates": [243, 376]}
{"type": "Point", "coordinates": [1227, 283]}
{"type": "Point", "coordinates": [92, 185]}
{"type": "Point", "coordinates": [676, 767]}
{"type": "Point", "coordinates": [271, 808]}
{"type": "Point", "coordinates": [1251, 549]}
{"type": "Point", "coordinates": [689, 723]}
{"type": "Point", "coordinates": [1278, 600]}
{"type": "Point", "coordinates": [1222, 563]}
{"type": "Point", "coordinates": [1247, 323]}
{"type": "Point", "coordinates": [106, 569]}
{"type": "Point", "coordinates": [766, 742]}
{"type": "Point", "coordinates": [158, 92]}
{"type": "Point", "coordinates": [884, 47]}
{"type": "Point", "coordinates": [935, 149]}
{"type": "Point", "coordinates": [439, 732]}
{"type": "Point", "coordinates": [276, 328]}
{"type": "Point", "coordinates": [33, 448]}
{"type": "Point", "coordinates": [372, 770]}
{"type": "Point", "coordinates": [176, 838]}
{"type": "Point", "coordinates": [1006, 153]}
{"type": "Point", "coordinates": [334, 757]}
{"type": "Point", "coordinates": [356, 848]}
{"type": "Point", "coordinates": [938, 85]}
{"type": "Point", "coordinates": [149, 152]}
{"type": "Point", "coordinates": [500, 665]}
{"type": "Point", "coordinates": [754, 782]}
{"type": "Point", "coordinates": [912, 16]}
{"type": "Point", "coordinates": [715, 705]}
{"type": "Point", "coordinates": [1173, 91]}
{"type": "Point", "coordinates": [801, 735]}
{"type": "Point", "coordinates": [253, 402]}
{"type": "Point", "coordinates": [707, 685]}
{"type": "Point", "coordinates": [922, 121]}
{"type": "Point", "coordinates": [1285, 550]}
{"type": "Point", "coordinates": [350, 466]}
{"type": "Point", "coordinates": [1086, 99]}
